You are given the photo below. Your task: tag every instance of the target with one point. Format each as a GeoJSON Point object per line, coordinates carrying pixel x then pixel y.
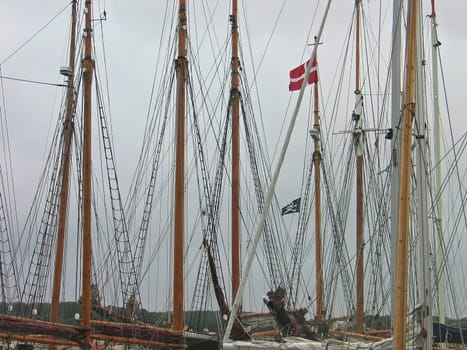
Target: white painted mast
{"type": "Point", "coordinates": [395, 141]}
{"type": "Point", "coordinates": [440, 258]}
{"type": "Point", "coordinates": [421, 165]}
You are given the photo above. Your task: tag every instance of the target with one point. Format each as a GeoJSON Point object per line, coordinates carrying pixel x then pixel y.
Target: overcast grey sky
{"type": "Point", "coordinates": [131, 36]}
{"type": "Point", "coordinates": [132, 32]}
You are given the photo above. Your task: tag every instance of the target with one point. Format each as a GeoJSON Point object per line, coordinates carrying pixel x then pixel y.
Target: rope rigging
{"type": "Point", "coordinates": [296, 265]}
{"type": "Point", "coordinates": [212, 192]}
{"type": "Point", "coordinates": [212, 210]}
{"type": "Point", "coordinates": [9, 287]}
{"type": "Point", "coordinates": [35, 34]}
{"type": "Point", "coordinates": [147, 210]}
{"type": "Point", "coordinates": [126, 260]}
{"type": "Point", "coordinates": [39, 268]}
{"type": "Point", "coordinates": [9, 279]}
{"type": "Point", "coordinates": [270, 242]}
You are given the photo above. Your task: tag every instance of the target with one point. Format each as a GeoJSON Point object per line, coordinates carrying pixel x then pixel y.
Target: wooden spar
{"type": "Point", "coordinates": [131, 340]}
{"type": "Point", "coordinates": [65, 169]}
{"type": "Point", "coordinates": [179, 208]}
{"type": "Point", "coordinates": [24, 329]}
{"type": "Point", "coordinates": [235, 101]}
{"type": "Point", "coordinates": [346, 335]}
{"type": "Point", "coordinates": [131, 333]}
{"type": "Point", "coordinates": [400, 317]}
{"type": "Point", "coordinates": [113, 339]}
{"type": "Point", "coordinates": [37, 339]}
{"type": "Point", "coordinates": [316, 164]}
{"type": "Point", "coordinates": [263, 334]}
{"type": "Point", "coordinates": [395, 140]}
{"type": "Point", "coordinates": [359, 145]}
{"type": "Point", "coordinates": [20, 326]}
{"type": "Point", "coordinates": [88, 67]}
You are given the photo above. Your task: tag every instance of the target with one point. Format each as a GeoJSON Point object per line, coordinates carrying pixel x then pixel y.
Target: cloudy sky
{"type": "Point", "coordinates": [274, 33]}
{"type": "Point", "coordinates": [277, 42]}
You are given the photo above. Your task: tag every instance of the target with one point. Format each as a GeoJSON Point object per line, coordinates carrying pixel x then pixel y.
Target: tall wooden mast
{"type": "Point", "coordinates": [359, 149]}
{"type": "Point", "coordinates": [317, 167]}
{"type": "Point", "coordinates": [400, 318]}
{"type": "Point", "coordinates": [65, 169]}
{"type": "Point", "coordinates": [235, 101]}
{"type": "Point", "coordinates": [88, 68]}
{"type": "Point", "coordinates": [179, 214]}
{"type": "Point", "coordinates": [395, 140]}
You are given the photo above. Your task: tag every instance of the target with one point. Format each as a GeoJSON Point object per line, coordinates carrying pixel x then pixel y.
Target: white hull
{"type": "Point", "coordinates": [414, 332]}
{"type": "Point", "coordinates": [289, 343]}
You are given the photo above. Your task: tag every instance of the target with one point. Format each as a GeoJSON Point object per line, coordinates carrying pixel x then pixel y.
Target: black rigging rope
{"type": "Point", "coordinates": [32, 81]}
{"type": "Point", "coordinates": [35, 34]}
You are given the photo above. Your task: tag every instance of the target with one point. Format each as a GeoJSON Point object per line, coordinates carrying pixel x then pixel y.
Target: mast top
{"type": "Point", "coordinates": [433, 12]}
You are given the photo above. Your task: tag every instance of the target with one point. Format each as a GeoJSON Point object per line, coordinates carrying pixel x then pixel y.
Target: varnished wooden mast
{"type": "Point", "coordinates": [318, 244]}
{"type": "Point", "coordinates": [88, 68]}
{"type": "Point", "coordinates": [179, 214]}
{"type": "Point", "coordinates": [359, 328]}
{"type": "Point", "coordinates": [400, 318]}
{"type": "Point", "coordinates": [235, 100]}
{"type": "Point", "coordinates": [65, 169]}
{"type": "Point", "coordinates": [395, 141]}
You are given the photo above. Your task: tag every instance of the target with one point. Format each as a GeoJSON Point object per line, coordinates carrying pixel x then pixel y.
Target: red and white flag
{"type": "Point", "coordinates": [298, 74]}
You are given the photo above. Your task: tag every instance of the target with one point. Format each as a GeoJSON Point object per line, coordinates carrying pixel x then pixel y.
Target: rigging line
{"type": "Point", "coordinates": [337, 83]}
{"type": "Point", "coordinates": [258, 67]}
{"type": "Point", "coordinates": [450, 282]}
{"type": "Point", "coordinates": [272, 225]}
{"type": "Point", "coordinates": [106, 75]}
{"type": "Point", "coordinates": [371, 61]}
{"type": "Point", "coordinates": [32, 81]}
{"type": "Point", "coordinates": [35, 34]}
{"type": "Point", "coordinates": [153, 106]}
{"type": "Point", "coordinates": [450, 169]}
{"type": "Point", "coordinates": [10, 195]}
{"type": "Point", "coordinates": [31, 217]}
{"type": "Point", "coordinates": [250, 126]}
{"type": "Point", "coordinates": [451, 134]}
{"type": "Point", "coordinates": [209, 14]}
{"type": "Point", "coordinates": [451, 246]}
{"type": "Point", "coordinates": [207, 228]}
{"type": "Point", "coordinates": [268, 42]}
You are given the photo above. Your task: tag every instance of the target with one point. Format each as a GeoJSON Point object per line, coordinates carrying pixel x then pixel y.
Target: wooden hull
{"type": "Point", "coordinates": [35, 331]}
